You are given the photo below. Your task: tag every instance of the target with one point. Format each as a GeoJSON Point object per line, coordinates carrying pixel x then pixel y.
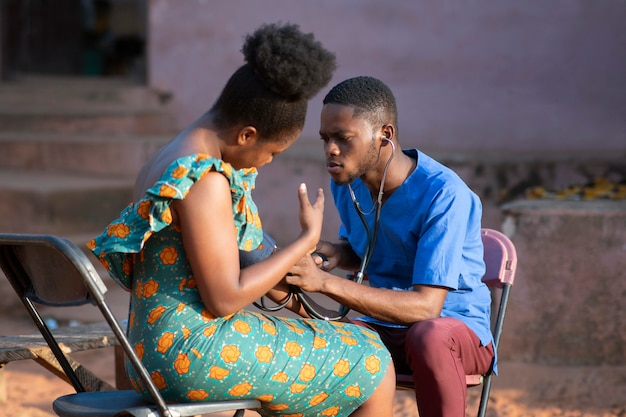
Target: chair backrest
{"type": "Point", "coordinates": [53, 271]}
{"type": "Point", "coordinates": [500, 258]}
{"type": "Point", "coordinates": [49, 270]}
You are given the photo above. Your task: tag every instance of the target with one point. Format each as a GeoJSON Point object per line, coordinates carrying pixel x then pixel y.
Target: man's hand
{"type": "Point", "coordinates": [307, 275]}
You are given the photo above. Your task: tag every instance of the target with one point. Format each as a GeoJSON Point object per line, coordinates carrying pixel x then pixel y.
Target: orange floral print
{"type": "Point", "coordinates": [372, 364]}
{"type": "Point", "coordinates": [331, 412]}
{"type": "Point", "coordinates": [215, 372]}
{"type": "Point", "coordinates": [307, 373]}
{"type": "Point", "coordinates": [350, 341]}
{"type": "Point", "coordinates": [264, 354]}
{"type": "Point", "coordinates": [269, 329]}
{"type": "Point", "coordinates": [91, 245]}
{"type": "Point", "coordinates": [257, 221]}
{"type": "Point", "coordinates": [280, 377]}
{"type": "Point", "coordinates": [165, 342]}
{"type": "Point", "coordinates": [265, 398]}
{"type": "Point", "coordinates": [120, 230]}
{"type": "Point", "coordinates": [139, 350]}
{"type": "Point", "coordinates": [127, 267]}
{"type": "Point", "coordinates": [294, 328]}
{"type": "Point", "coordinates": [143, 209]}
{"type": "Point", "coordinates": [180, 172]}
{"type": "Point", "coordinates": [197, 395]}
{"type": "Point", "coordinates": [230, 353]}
{"type": "Point", "coordinates": [341, 368]}
{"type": "Point", "coordinates": [147, 235]}
{"type": "Point", "coordinates": [318, 399]}
{"type": "Point", "coordinates": [139, 289]}
{"type": "Point", "coordinates": [167, 216]}
{"type": "Point", "coordinates": [373, 343]}
{"type": "Point", "coordinates": [180, 307]}
{"type": "Point", "coordinates": [167, 191]}
{"type": "Point", "coordinates": [209, 331]}
{"type": "Point", "coordinates": [247, 246]}
{"type": "Point", "coordinates": [206, 315]}
{"type": "Point", "coordinates": [293, 415]}
{"type": "Point", "coordinates": [104, 262]}
{"type": "Point", "coordinates": [158, 379]}
{"type": "Point", "coordinates": [241, 206]}
{"type": "Point", "coordinates": [369, 334]}
{"type": "Point", "coordinates": [150, 288]}
{"type": "Point", "coordinates": [182, 363]}
{"type": "Point", "coordinates": [249, 215]}
{"type": "Point", "coordinates": [248, 171]}
{"type": "Point", "coordinates": [296, 388]}
{"type": "Point", "coordinates": [242, 327]}
{"type": "Point", "coordinates": [228, 169]}
{"type": "Point", "coordinates": [168, 255]}
{"type": "Point", "coordinates": [344, 331]}
{"type": "Point", "coordinates": [240, 389]}
{"type": "Point", "coordinates": [319, 343]}
{"type": "Point", "coordinates": [353, 391]}
{"type": "Point", "coordinates": [278, 407]}
{"type": "Point", "coordinates": [293, 349]}
{"type": "Point", "coordinates": [131, 319]}
{"type": "Point", "coordinates": [196, 352]}
{"type": "Point", "coordinates": [192, 283]}
{"type": "Point", "coordinates": [186, 332]}
{"type": "Point", "coordinates": [155, 314]}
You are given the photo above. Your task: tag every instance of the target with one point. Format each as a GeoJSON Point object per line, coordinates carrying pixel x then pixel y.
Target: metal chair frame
{"type": "Point", "coordinates": [501, 265]}
{"type": "Point", "coordinates": [52, 271]}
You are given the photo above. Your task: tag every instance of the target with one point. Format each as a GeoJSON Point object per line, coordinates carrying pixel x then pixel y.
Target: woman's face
{"type": "Point", "coordinates": [260, 153]}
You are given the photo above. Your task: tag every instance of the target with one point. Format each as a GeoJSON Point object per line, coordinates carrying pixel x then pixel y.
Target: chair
{"type": "Point", "coordinates": [501, 264]}
{"type": "Point", "coordinates": [52, 271]}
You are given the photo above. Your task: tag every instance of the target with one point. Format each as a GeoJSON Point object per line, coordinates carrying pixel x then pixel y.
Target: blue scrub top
{"type": "Point", "coordinates": [429, 233]}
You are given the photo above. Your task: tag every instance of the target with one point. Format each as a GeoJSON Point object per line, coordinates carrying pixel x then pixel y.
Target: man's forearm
{"type": "Point", "coordinates": [393, 306]}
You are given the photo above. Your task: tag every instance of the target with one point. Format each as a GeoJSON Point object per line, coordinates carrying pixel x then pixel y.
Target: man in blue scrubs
{"type": "Point", "coordinates": [425, 296]}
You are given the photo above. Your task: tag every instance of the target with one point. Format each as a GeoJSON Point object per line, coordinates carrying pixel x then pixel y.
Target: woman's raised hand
{"type": "Point", "coordinates": [311, 215]}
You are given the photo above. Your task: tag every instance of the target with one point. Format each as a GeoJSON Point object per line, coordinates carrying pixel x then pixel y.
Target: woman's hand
{"type": "Point", "coordinates": [311, 215]}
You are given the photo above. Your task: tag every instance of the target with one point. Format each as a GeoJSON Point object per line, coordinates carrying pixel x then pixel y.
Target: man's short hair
{"type": "Point", "coordinates": [371, 98]}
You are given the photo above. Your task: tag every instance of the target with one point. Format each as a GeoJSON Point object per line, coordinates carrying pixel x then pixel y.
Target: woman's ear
{"type": "Point", "coordinates": [247, 135]}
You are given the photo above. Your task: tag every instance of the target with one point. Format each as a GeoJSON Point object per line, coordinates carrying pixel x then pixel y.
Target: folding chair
{"type": "Point", "coordinates": [501, 264]}
{"type": "Point", "coordinates": [52, 271]}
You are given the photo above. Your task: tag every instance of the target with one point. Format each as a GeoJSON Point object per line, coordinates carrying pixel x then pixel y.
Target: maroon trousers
{"type": "Point", "coordinates": [438, 353]}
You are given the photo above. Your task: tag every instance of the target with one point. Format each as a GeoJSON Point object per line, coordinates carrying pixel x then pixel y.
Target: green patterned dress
{"type": "Point", "coordinates": [295, 367]}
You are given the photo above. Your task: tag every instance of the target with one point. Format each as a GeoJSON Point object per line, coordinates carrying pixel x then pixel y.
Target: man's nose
{"type": "Point", "coordinates": [331, 148]}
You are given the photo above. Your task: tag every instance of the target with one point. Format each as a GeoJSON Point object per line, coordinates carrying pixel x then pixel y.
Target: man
{"type": "Point", "coordinates": [425, 296]}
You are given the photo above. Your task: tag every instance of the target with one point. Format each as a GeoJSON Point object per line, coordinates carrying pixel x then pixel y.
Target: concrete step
{"type": "Point", "coordinates": [94, 154]}
{"type": "Point", "coordinates": [60, 204]}
{"type": "Point", "coordinates": [83, 105]}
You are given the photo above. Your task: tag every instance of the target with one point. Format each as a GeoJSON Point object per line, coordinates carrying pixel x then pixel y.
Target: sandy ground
{"type": "Point", "coordinates": [521, 389]}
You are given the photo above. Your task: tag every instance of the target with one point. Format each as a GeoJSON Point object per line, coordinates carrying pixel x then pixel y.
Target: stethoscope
{"type": "Point", "coordinates": [369, 249]}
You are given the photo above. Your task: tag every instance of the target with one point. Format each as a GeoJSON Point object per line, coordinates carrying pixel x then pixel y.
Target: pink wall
{"type": "Point", "coordinates": [537, 75]}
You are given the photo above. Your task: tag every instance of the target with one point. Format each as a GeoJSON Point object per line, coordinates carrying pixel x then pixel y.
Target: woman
{"type": "Point", "coordinates": [176, 249]}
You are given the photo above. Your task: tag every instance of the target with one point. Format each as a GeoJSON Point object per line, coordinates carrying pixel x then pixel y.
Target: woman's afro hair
{"type": "Point", "coordinates": [288, 62]}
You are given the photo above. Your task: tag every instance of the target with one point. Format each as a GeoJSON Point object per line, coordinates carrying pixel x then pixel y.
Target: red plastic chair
{"type": "Point", "coordinates": [501, 264]}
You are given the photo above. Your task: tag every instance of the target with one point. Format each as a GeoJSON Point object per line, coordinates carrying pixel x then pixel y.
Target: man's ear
{"type": "Point", "coordinates": [388, 131]}
{"type": "Point", "coordinates": [247, 135]}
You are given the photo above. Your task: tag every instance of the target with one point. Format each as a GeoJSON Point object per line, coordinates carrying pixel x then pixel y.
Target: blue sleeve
{"type": "Point", "coordinates": [439, 256]}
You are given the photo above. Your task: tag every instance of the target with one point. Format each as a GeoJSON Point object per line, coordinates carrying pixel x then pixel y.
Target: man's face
{"type": "Point", "coordinates": [350, 143]}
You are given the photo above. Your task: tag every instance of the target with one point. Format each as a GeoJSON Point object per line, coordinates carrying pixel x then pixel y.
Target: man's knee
{"type": "Point", "coordinates": [427, 340]}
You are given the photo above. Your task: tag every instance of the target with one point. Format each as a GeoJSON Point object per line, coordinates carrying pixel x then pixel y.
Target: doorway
{"type": "Point", "coordinates": [73, 38]}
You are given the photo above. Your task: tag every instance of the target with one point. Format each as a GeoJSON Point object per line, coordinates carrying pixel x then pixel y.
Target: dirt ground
{"type": "Point", "coordinates": [521, 389]}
